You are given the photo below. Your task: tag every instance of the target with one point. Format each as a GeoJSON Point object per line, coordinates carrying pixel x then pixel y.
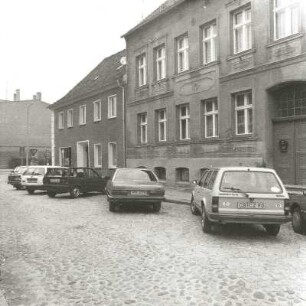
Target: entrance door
{"type": "Point", "coordinates": [82, 154]}
{"type": "Point", "coordinates": [290, 151]}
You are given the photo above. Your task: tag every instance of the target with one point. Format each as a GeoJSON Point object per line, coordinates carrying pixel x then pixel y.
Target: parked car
{"type": "Point", "coordinates": [241, 195]}
{"type": "Point", "coordinates": [297, 202]}
{"type": "Point", "coordinates": [73, 180]}
{"type": "Point", "coordinates": [134, 185]}
{"type": "Point", "coordinates": [14, 178]}
{"type": "Point", "coordinates": [32, 178]}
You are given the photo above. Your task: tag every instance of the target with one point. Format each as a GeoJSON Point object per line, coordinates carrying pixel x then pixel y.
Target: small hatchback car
{"type": "Point", "coordinates": [14, 178]}
{"type": "Point", "coordinates": [73, 180]}
{"type": "Point", "coordinates": [241, 195]}
{"type": "Point", "coordinates": [134, 185]}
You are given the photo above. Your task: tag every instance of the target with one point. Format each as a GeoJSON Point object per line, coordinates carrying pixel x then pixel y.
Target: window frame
{"type": "Point", "coordinates": [142, 69]}
{"type": "Point", "coordinates": [143, 128]}
{"type": "Point", "coordinates": [182, 53]}
{"type": "Point", "coordinates": [112, 106]}
{"type": "Point", "coordinates": [214, 113]}
{"type": "Point", "coordinates": [82, 110]}
{"type": "Point", "coordinates": [184, 118]}
{"type": "Point", "coordinates": [180, 174]}
{"type": "Point", "coordinates": [212, 39]}
{"type": "Point", "coordinates": [70, 117]}
{"type": "Point", "coordinates": [97, 110]}
{"type": "Point", "coordinates": [96, 155]}
{"type": "Point", "coordinates": [61, 120]}
{"type": "Point", "coordinates": [160, 63]}
{"type": "Point", "coordinates": [246, 30]}
{"type": "Point", "coordinates": [111, 159]}
{"type": "Point", "coordinates": [161, 121]}
{"type": "Point", "coordinates": [245, 108]}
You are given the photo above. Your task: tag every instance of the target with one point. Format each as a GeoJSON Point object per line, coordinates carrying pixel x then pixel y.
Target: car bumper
{"type": "Point", "coordinates": [15, 183]}
{"type": "Point", "coordinates": [145, 200]}
{"type": "Point", "coordinates": [258, 219]}
{"type": "Point", "coordinates": [34, 186]}
{"type": "Point", "coordinates": [58, 188]}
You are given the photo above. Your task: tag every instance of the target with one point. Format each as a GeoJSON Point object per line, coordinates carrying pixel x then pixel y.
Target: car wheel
{"type": "Point", "coordinates": [111, 206]}
{"type": "Point", "coordinates": [30, 191]}
{"type": "Point", "coordinates": [157, 207]}
{"type": "Point", "coordinates": [18, 187]}
{"type": "Point", "coordinates": [272, 229]}
{"type": "Point", "coordinates": [193, 208]}
{"type": "Point", "coordinates": [297, 221]}
{"type": "Point", "coordinates": [75, 192]}
{"type": "Point", "coordinates": [51, 194]}
{"type": "Point", "coordinates": [205, 223]}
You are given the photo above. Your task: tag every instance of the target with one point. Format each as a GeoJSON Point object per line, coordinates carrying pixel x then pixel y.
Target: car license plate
{"type": "Point", "coordinates": [138, 192]}
{"type": "Point", "coordinates": [55, 180]}
{"type": "Point", "coordinates": [32, 180]}
{"type": "Point", "coordinates": [250, 205]}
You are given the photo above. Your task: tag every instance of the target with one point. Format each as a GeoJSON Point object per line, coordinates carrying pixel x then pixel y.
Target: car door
{"type": "Point", "coordinates": [94, 181]}
{"type": "Point", "coordinates": [198, 190]}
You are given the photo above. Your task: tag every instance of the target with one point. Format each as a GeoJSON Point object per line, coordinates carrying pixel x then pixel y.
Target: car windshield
{"type": "Point", "coordinates": [21, 170]}
{"type": "Point", "coordinates": [250, 181]}
{"type": "Point", "coordinates": [135, 175]}
{"type": "Point", "coordinates": [35, 171]}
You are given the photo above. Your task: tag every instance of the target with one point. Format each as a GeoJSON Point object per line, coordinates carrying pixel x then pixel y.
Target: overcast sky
{"type": "Point", "coordinates": [48, 46]}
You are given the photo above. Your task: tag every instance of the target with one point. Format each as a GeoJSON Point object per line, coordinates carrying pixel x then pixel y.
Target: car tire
{"type": "Point", "coordinates": [75, 192]}
{"type": "Point", "coordinates": [111, 206]}
{"type": "Point", "coordinates": [272, 229]}
{"type": "Point", "coordinates": [205, 223]}
{"type": "Point", "coordinates": [156, 207]}
{"type": "Point", "coordinates": [30, 191]}
{"type": "Point", "coordinates": [51, 194]}
{"type": "Point", "coordinates": [298, 224]}
{"type": "Point", "coordinates": [18, 187]}
{"type": "Point", "coordinates": [193, 208]}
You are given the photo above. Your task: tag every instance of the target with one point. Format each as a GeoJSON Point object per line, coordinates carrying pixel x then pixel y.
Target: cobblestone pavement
{"type": "Point", "coordinates": [75, 252]}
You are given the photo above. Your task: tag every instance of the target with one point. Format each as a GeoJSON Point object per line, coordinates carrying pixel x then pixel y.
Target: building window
{"type": "Point", "coordinates": [286, 18]}
{"type": "Point", "coordinates": [70, 118]}
{"type": "Point", "coordinates": [242, 30]}
{"type": "Point", "coordinates": [184, 119]}
{"type": "Point", "coordinates": [97, 110]}
{"type": "Point", "coordinates": [161, 173]}
{"type": "Point", "coordinates": [65, 157]}
{"type": "Point", "coordinates": [182, 175]}
{"type": "Point", "coordinates": [211, 118]}
{"type": "Point", "coordinates": [160, 54]}
{"type": "Point", "coordinates": [142, 70]}
{"type": "Point", "coordinates": [182, 54]}
{"type": "Point", "coordinates": [61, 120]}
{"type": "Point", "coordinates": [97, 155]}
{"type": "Point", "coordinates": [82, 118]}
{"type": "Point", "coordinates": [209, 39]}
{"type": "Point", "coordinates": [112, 155]}
{"type": "Point", "coordinates": [112, 106]}
{"type": "Point", "coordinates": [162, 125]}
{"type": "Point", "coordinates": [142, 128]}
{"type": "Point", "coordinates": [243, 113]}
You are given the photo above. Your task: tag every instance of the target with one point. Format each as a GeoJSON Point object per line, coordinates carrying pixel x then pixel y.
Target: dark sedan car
{"type": "Point", "coordinates": [129, 185]}
{"type": "Point", "coordinates": [73, 180]}
{"type": "Point", "coordinates": [14, 178]}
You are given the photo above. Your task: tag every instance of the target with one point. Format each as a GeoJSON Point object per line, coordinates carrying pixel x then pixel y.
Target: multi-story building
{"type": "Point", "coordinates": [88, 122]}
{"type": "Point", "coordinates": [25, 132]}
{"type": "Point", "coordinates": [218, 82]}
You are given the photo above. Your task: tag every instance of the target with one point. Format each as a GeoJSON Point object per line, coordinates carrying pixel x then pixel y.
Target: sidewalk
{"type": "Point", "coordinates": [178, 195]}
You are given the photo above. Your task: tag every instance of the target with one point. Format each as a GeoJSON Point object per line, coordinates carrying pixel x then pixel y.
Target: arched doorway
{"type": "Point", "coordinates": [289, 131]}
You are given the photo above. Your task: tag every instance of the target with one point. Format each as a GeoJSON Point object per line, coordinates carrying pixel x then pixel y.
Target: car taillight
{"type": "Point", "coordinates": [287, 207]}
{"type": "Point", "coordinates": [215, 204]}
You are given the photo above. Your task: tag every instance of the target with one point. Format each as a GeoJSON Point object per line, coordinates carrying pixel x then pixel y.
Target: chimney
{"type": "Point", "coordinates": [17, 95]}
{"type": "Point", "coordinates": [38, 96]}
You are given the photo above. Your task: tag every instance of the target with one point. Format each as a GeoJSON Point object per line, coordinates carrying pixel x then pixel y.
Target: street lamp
{"type": "Point", "coordinates": [27, 140]}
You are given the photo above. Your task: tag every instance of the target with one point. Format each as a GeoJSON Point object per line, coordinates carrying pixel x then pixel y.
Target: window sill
{"type": "Point", "coordinates": [241, 54]}
{"type": "Point", "coordinates": [244, 137]}
{"type": "Point", "coordinates": [70, 127]}
{"type": "Point", "coordinates": [164, 80]}
{"type": "Point", "coordinates": [284, 40]}
{"type": "Point", "coordinates": [143, 87]}
{"type": "Point", "coordinates": [210, 64]}
{"type": "Point", "coordinates": [97, 120]}
{"type": "Point", "coordinates": [112, 117]}
{"type": "Point", "coordinates": [82, 124]}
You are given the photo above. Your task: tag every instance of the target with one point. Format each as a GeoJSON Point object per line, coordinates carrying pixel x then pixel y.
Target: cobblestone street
{"type": "Point", "coordinates": [75, 252]}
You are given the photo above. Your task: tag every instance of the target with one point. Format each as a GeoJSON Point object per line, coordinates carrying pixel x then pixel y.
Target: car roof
{"type": "Point", "coordinates": [242, 168]}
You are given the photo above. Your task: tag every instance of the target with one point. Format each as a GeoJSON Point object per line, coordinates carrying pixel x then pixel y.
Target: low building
{"type": "Point", "coordinates": [218, 83]}
{"type": "Point", "coordinates": [24, 124]}
{"type": "Point", "coordinates": [88, 122]}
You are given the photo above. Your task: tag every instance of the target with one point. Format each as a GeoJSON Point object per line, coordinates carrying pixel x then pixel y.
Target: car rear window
{"type": "Point", "coordinates": [135, 175]}
{"type": "Point", "coordinates": [56, 172]}
{"type": "Point", "coordinates": [250, 181]}
{"type": "Point", "coordinates": [35, 171]}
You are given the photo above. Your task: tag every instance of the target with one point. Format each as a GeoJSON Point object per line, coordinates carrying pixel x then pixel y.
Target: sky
{"type": "Point", "coordinates": [48, 46]}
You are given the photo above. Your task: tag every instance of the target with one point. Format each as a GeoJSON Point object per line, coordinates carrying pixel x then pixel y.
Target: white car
{"type": "Point", "coordinates": [32, 179]}
{"type": "Point", "coordinates": [241, 195]}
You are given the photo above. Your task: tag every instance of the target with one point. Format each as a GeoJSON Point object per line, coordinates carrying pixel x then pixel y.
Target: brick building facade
{"type": "Point", "coordinates": [215, 83]}
{"type": "Point", "coordinates": [88, 122]}
{"type": "Point", "coordinates": [24, 123]}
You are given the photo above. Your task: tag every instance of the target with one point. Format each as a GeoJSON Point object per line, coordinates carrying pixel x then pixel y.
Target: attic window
{"type": "Point", "coordinates": [96, 77]}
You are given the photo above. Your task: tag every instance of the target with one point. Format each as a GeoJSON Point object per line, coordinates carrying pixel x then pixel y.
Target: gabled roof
{"type": "Point", "coordinates": [162, 9]}
{"type": "Point", "coordinates": [105, 75]}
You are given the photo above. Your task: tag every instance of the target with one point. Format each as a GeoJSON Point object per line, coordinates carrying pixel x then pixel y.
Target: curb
{"type": "Point", "coordinates": [180, 202]}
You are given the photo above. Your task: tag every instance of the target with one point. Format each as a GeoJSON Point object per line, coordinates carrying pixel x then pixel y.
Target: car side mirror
{"type": "Point", "coordinates": [195, 182]}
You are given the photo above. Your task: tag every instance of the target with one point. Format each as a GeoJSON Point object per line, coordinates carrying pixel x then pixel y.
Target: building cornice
{"type": "Point", "coordinates": [151, 98]}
